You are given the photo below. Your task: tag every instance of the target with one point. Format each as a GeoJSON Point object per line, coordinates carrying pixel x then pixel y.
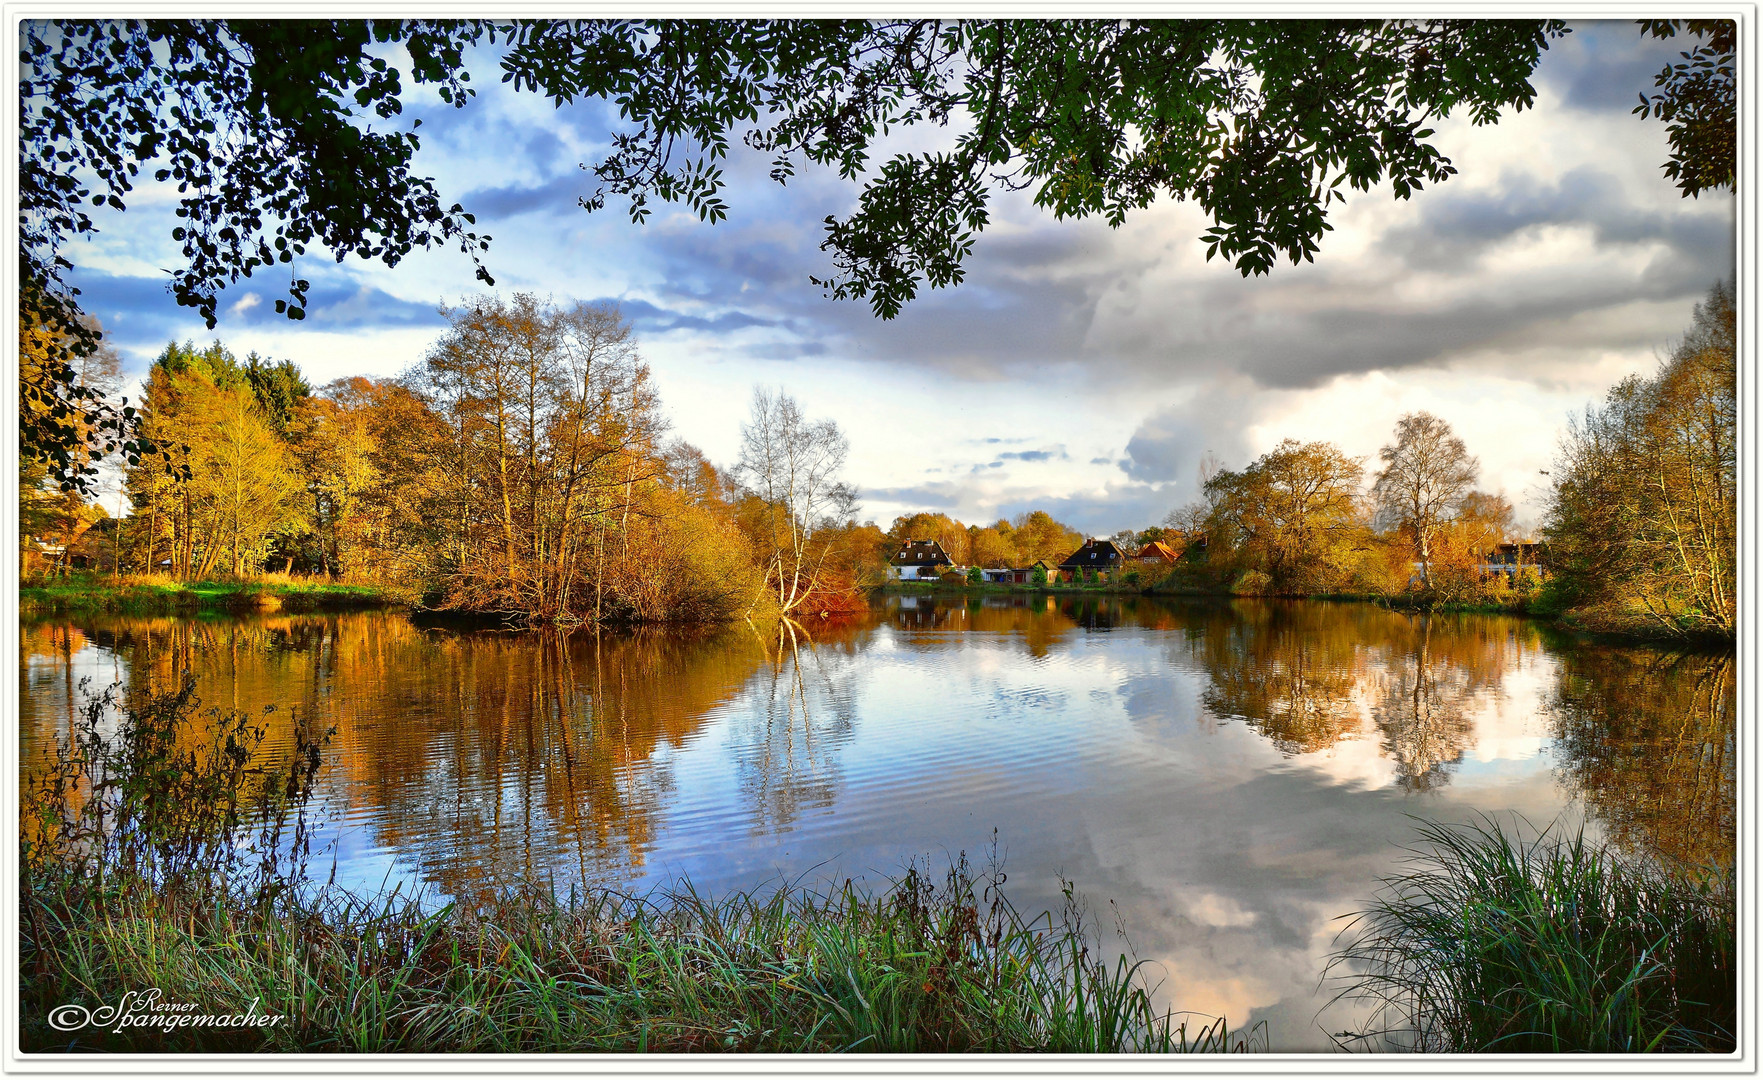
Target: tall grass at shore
{"type": "Point", "coordinates": [165, 850]}
{"type": "Point", "coordinates": [1496, 943]}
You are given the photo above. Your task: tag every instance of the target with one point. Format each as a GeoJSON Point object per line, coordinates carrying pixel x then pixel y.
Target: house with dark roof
{"type": "Point", "coordinates": [1098, 555]}
{"type": "Point", "coordinates": [918, 560]}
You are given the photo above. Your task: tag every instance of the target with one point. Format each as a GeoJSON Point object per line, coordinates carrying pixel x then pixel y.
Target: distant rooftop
{"type": "Point", "coordinates": [921, 553]}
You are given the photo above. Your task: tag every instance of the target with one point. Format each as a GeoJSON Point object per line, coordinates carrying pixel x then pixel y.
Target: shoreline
{"type": "Point", "coordinates": [1565, 622]}
{"type": "Point", "coordinates": [76, 595]}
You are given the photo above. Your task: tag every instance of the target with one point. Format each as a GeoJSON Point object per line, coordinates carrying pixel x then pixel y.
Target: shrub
{"type": "Point", "coordinates": [1493, 943]}
{"type": "Point", "coordinates": [1252, 583]}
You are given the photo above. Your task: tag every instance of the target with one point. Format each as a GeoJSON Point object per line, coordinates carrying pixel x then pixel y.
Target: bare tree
{"type": "Point", "coordinates": [792, 464]}
{"type": "Point", "coordinates": [1426, 473]}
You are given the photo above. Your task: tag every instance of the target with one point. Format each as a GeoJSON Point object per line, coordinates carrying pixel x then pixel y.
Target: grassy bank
{"type": "Point", "coordinates": [187, 874]}
{"type": "Point", "coordinates": [913, 970]}
{"type": "Point", "coordinates": [157, 594]}
{"type": "Point", "coordinates": [1495, 943]}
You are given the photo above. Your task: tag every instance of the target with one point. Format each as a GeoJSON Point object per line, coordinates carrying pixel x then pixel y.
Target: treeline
{"type": "Point", "coordinates": [1305, 519]}
{"type": "Point", "coordinates": [1639, 533]}
{"type": "Point", "coordinates": [1643, 521]}
{"type": "Point", "coordinates": [523, 469]}
{"type": "Point", "coordinates": [1021, 541]}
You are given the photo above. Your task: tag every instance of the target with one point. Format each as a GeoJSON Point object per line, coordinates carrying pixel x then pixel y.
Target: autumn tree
{"type": "Point", "coordinates": [1426, 473]}
{"type": "Point", "coordinates": [1465, 544]}
{"type": "Point", "coordinates": [331, 436]}
{"type": "Point", "coordinates": [792, 465]}
{"type": "Point", "coordinates": [1643, 512]}
{"type": "Point", "coordinates": [1038, 536]}
{"type": "Point", "coordinates": [951, 534]}
{"type": "Point", "coordinates": [553, 440]}
{"type": "Point", "coordinates": [993, 545]}
{"type": "Point", "coordinates": [48, 506]}
{"type": "Point", "coordinates": [243, 478]}
{"type": "Point", "coordinates": [1287, 512]}
{"type": "Point", "coordinates": [226, 483]}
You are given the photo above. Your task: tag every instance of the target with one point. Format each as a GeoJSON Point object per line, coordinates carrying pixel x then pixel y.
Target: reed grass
{"type": "Point", "coordinates": [129, 883]}
{"type": "Point", "coordinates": [1493, 942]}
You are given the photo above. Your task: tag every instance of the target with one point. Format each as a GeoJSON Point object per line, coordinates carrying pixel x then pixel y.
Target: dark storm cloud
{"type": "Point", "coordinates": [1457, 228]}
{"type": "Point", "coordinates": [1168, 446]}
{"type": "Point", "coordinates": [1224, 329]}
{"type": "Point", "coordinates": [1024, 302]}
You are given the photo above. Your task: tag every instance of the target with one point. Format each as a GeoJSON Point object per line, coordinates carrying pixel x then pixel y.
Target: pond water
{"type": "Point", "coordinates": [1229, 778]}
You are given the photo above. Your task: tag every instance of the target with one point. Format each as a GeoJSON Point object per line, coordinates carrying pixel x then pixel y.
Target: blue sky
{"type": "Point", "coordinates": [1079, 369]}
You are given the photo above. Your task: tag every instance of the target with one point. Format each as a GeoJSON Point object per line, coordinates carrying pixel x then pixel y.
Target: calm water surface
{"type": "Point", "coordinates": [1230, 777]}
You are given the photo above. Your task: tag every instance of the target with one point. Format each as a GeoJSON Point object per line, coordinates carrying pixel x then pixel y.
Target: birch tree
{"type": "Point", "coordinates": [792, 464]}
{"type": "Point", "coordinates": [1427, 472]}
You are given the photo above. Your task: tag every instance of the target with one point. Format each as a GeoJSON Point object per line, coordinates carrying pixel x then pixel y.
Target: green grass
{"type": "Point", "coordinates": [1494, 943]}
{"type": "Point", "coordinates": [170, 853]}
{"type": "Point", "coordinates": [915, 969]}
{"type": "Point", "coordinates": [159, 594]}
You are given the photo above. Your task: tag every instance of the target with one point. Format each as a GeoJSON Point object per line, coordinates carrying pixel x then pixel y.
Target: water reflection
{"type": "Point", "coordinates": [1288, 671]}
{"type": "Point", "coordinates": [1233, 774]}
{"type": "Point", "coordinates": [1432, 670]}
{"type": "Point", "coordinates": [1309, 675]}
{"type": "Point", "coordinates": [1647, 739]}
{"type": "Point", "coordinates": [802, 711]}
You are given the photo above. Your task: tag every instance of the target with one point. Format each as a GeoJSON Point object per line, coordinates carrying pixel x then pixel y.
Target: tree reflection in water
{"type": "Point", "coordinates": [1430, 671]}
{"type": "Point", "coordinates": [1647, 738]}
{"type": "Point", "coordinates": [479, 758]}
{"type": "Point", "coordinates": [1288, 672]}
{"type": "Point", "coordinates": [1308, 675]}
{"type": "Point", "coordinates": [787, 740]}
